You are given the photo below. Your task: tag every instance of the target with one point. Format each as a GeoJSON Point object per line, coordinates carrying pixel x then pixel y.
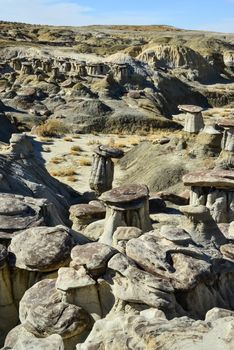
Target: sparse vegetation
{"type": "Point", "coordinates": [76, 148]}
{"type": "Point", "coordinates": [65, 171]}
{"type": "Point", "coordinates": [57, 160]}
{"type": "Point", "coordinates": [68, 139]}
{"type": "Point", "coordinates": [72, 178]}
{"type": "Point", "coordinates": [85, 162]}
{"type": "Point", "coordinates": [93, 142]}
{"type": "Point", "coordinates": [51, 128]}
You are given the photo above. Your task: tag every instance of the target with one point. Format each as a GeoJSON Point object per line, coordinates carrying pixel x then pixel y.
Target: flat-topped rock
{"type": "Point", "coordinates": [19, 213]}
{"type": "Point", "coordinates": [226, 123]}
{"type": "Point", "coordinates": [190, 108]}
{"type": "Point", "coordinates": [109, 152]}
{"type": "Point", "coordinates": [175, 234]}
{"type": "Point", "coordinates": [94, 256]}
{"type": "Point", "coordinates": [125, 194]}
{"type": "Point", "coordinates": [41, 248]}
{"type": "Point", "coordinates": [70, 278]}
{"type": "Point", "coordinates": [216, 178]}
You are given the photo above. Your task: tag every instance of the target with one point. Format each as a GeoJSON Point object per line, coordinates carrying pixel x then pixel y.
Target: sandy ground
{"type": "Point", "coordinates": [58, 156]}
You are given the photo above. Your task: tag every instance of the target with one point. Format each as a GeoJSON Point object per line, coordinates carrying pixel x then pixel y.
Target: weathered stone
{"type": "Point", "coordinates": [201, 226]}
{"type": "Point", "coordinates": [123, 234]}
{"type": "Point", "coordinates": [102, 172]}
{"type": "Point", "coordinates": [94, 256]}
{"type": "Point", "coordinates": [194, 121]}
{"type": "Point", "coordinates": [43, 313]}
{"type": "Point", "coordinates": [223, 179]}
{"type": "Point", "coordinates": [20, 339]}
{"type": "Point", "coordinates": [79, 289]}
{"type": "Point", "coordinates": [84, 214]}
{"type": "Point", "coordinates": [134, 285]}
{"type": "Point", "coordinates": [175, 234]}
{"type": "Point", "coordinates": [18, 213]}
{"type": "Point", "coordinates": [138, 331]}
{"type": "Point", "coordinates": [126, 206]}
{"type": "Point", "coordinates": [41, 248]}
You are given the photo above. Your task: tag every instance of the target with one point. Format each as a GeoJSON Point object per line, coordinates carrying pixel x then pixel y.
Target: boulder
{"type": "Point", "coordinates": [41, 248]}
{"type": "Point", "coordinates": [94, 256]}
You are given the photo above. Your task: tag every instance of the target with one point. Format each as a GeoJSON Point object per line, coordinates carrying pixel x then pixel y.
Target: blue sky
{"type": "Point", "coordinates": [214, 15]}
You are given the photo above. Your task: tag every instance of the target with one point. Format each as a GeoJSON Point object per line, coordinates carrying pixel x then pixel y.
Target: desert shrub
{"type": "Point", "coordinates": [68, 139]}
{"type": "Point", "coordinates": [93, 142]}
{"type": "Point", "coordinates": [76, 148]}
{"type": "Point", "coordinates": [85, 162]}
{"type": "Point", "coordinates": [57, 160]}
{"type": "Point", "coordinates": [51, 128]}
{"type": "Point", "coordinates": [62, 172]}
{"type": "Point", "coordinates": [72, 178]}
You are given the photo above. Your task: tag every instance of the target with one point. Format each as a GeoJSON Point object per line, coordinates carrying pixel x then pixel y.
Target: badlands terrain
{"type": "Point", "coordinates": [117, 188]}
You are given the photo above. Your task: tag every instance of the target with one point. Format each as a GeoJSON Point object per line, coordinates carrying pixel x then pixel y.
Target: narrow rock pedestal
{"type": "Point", "coordinates": [125, 206]}
{"type": "Point", "coordinates": [194, 120]}
{"type": "Point", "coordinates": [226, 158]}
{"type": "Point", "coordinates": [102, 172]}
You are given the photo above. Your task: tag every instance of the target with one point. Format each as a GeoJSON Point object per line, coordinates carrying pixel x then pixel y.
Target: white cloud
{"type": "Point", "coordinates": [68, 12]}
{"type": "Point", "coordinates": [54, 12]}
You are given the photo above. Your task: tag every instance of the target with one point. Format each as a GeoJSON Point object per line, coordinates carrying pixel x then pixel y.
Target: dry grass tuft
{"type": "Point", "coordinates": [85, 162]}
{"type": "Point", "coordinates": [68, 139]}
{"type": "Point", "coordinates": [76, 148]}
{"type": "Point", "coordinates": [57, 160]}
{"type": "Point", "coordinates": [69, 171]}
{"type": "Point", "coordinates": [51, 128]}
{"type": "Point", "coordinates": [76, 136]}
{"type": "Point", "coordinates": [133, 141]}
{"type": "Point", "coordinates": [93, 142]}
{"type": "Point", "coordinates": [45, 139]}
{"type": "Point", "coordinates": [72, 178]}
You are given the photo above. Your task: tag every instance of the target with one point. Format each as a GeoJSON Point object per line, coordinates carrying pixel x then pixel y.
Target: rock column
{"type": "Point", "coordinates": [102, 172]}
{"type": "Point", "coordinates": [194, 120]}
{"type": "Point", "coordinates": [125, 206]}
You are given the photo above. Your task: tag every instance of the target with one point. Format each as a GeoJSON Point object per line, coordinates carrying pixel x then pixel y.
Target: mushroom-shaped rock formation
{"type": "Point", "coordinates": [215, 190]}
{"type": "Point", "coordinates": [18, 213]}
{"type": "Point", "coordinates": [226, 157]}
{"type": "Point", "coordinates": [201, 226]}
{"type": "Point", "coordinates": [41, 248]}
{"type": "Point", "coordinates": [194, 120]}
{"type": "Point", "coordinates": [43, 313]}
{"type": "Point", "coordinates": [78, 288]}
{"type": "Point", "coordinates": [82, 215]}
{"type": "Point", "coordinates": [210, 140]}
{"type": "Point", "coordinates": [125, 206]}
{"type": "Point", "coordinates": [102, 172]}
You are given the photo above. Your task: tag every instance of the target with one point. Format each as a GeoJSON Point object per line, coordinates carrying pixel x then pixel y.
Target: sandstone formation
{"type": "Point", "coordinates": [125, 206]}
{"type": "Point", "coordinates": [145, 260]}
{"type": "Point", "coordinates": [102, 173]}
{"type": "Point", "coordinates": [193, 121]}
